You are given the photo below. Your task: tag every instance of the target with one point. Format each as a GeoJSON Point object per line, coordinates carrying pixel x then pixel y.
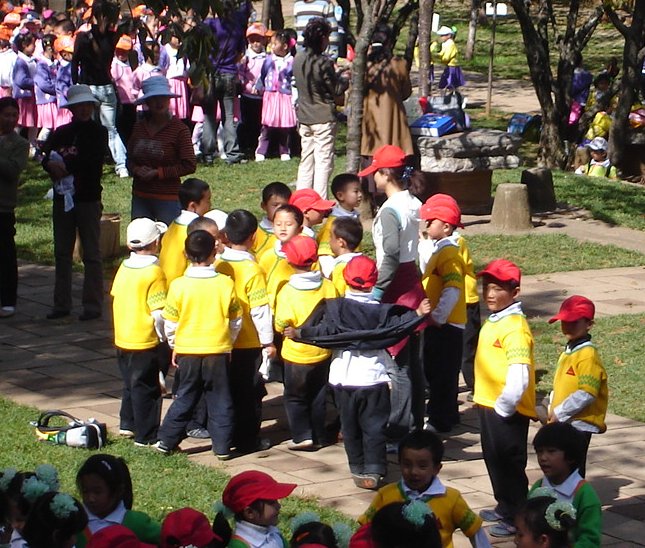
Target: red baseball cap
{"type": "Point", "coordinates": [441, 199]}
{"type": "Point", "coordinates": [247, 487]}
{"type": "Point", "coordinates": [307, 198]}
{"type": "Point", "coordinates": [301, 251]}
{"type": "Point", "coordinates": [574, 308]}
{"type": "Point", "coordinates": [116, 535]}
{"type": "Point", "coordinates": [444, 210]}
{"type": "Point", "coordinates": [361, 272]}
{"type": "Point", "coordinates": [502, 270]}
{"type": "Point", "coordinates": [386, 156]}
{"type": "Point", "coordinates": [186, 527]}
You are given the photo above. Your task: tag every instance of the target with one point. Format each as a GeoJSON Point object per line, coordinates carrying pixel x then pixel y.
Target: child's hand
{"type": "Point", "coordinates": [270, 349]}
{"type": "Point", "coordinates": [290, 332]}
{"type": "Point", "coordinates": [173, 359]}
{"type": "Point", "coordinates": [424, 308]}
{"type": "Point", "coordinates": [552, 417]}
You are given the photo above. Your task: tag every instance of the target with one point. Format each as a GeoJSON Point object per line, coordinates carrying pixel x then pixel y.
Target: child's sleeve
{"type": "Point", "coordinates": [171, 314]}
{"type": "Point", "coordinates": [588, 531]}
{"type": "Point", "coordinates": [452, 277]}
{"type": "Point", "coordinates": [156, 302]}
{"type": "Point", "coordinates": [469, 523]}
{"type": "Point", "coordinates": [234, 315]}
{"type": "Point", "coordinates": [517, 345]}
{"type": "Point", "coordinates": [260, 310]}
{"type": "Point", "coordinates": [391, 227]}
{"type": "Point", "coordinates": [375, 506]}
{"type": "Point", "coordinates": [590, 376]}
{"type": "Point", "coordinates": [284, 316]}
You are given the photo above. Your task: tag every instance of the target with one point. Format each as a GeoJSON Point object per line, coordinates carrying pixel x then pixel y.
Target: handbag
{"type": "Point", "coordinates": [89, 434]}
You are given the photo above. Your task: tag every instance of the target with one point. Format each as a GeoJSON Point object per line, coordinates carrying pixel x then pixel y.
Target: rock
{"type": "Point", "coordinates": [453, 165]}
{"type": "Point", "coordinates": [539, 183]}
{"type": "Point", "coordinates": [511, 211]}
{"type": "Point", "coordinates": [470, 144]}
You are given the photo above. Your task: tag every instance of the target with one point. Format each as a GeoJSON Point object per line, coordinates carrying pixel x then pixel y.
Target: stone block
{"type": "Point", "coordinates": [511, 212]}
{"type": "Point", "coordinates": [471, 189]}
{"type": "Point", "coordinates": [539, 183]}
{"type": "Point", "coordinates": [469, 164]}
{"type": "Point", "coordinates": [470, 144]}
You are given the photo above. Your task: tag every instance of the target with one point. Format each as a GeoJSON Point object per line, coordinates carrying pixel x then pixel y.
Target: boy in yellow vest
{"type": "Point", "coordinates": [580, 390]}
{"type": "Point", "coordinates": [273, 196]}
{"type": "Point", "coordinates": [504, 392]}
{"type": "Point", "coordinates": [346, 237]}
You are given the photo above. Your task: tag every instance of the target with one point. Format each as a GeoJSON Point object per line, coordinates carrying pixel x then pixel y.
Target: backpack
{"type": "Point", "coordinates": [89, 434]}
{"type": "Point", "coordinates": [526, 125]}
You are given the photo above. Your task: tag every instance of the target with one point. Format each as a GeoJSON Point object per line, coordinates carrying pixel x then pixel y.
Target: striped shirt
{"type": "Point", "coordinates": [303, 10]}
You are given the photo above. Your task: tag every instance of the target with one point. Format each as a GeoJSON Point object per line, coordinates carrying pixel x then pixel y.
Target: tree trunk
{"type": "Point", "coordinates": [472, 29]}
{"type": "Point", "coordinates": [276, 16]}
{"type": "Point", "coordinates": [425, 28]}
{"type": "Point", "coordinates": [266, 12]}
{"type": "Point", "coordinates": [413, 34]}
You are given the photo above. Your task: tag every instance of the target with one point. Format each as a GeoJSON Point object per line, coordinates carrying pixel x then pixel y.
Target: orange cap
{"type": "Point", "coordinates": [64, 43]}
{"type": "Point", "coordinates": [5, 32]}
{"type": "Point", "coordinates": [12, 19]}
{"type": "Point", "coordinates": [124, 43]}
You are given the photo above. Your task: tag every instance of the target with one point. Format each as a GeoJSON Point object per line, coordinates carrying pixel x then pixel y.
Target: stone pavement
{"type": "Point", "coordinates": [40, 360]}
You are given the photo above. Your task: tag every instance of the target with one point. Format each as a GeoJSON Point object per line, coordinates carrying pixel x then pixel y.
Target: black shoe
{"type": "Point", "coordinates": [198, 434]}
{"type": "Point", "coordinates": [55, 314]}
{"type": "Point", "coordinates": [87, 316]}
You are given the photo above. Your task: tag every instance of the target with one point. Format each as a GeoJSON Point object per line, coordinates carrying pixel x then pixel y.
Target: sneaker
{"type": "Point", "coordinates": [392, 448]}
{"type": "Point", "coordinates": [145, 444]}
{"type": "Point", "coordinates": [260, 157]}
{"type": "Point", "coordinates": [123, 173]}
{"type": "Point", "coordinates": [366, 481]}
{"type": "Point", "coordinates": [224, 456]}
{"type": "Point", "coordinates": [489, 515]}
{"type": "Point", "coordinates": [162, 448]}
{"type": "Point", "coordinates": [7, 311]}
{"type": "Point", "coordinates": [198, 434]}
{"type": "Point", "coordinates": [124, 432]}
{"type": "Point", "coordinates": [304, 445]}
{"type": "Point", "coordinates": [502, 530]}
{"type": "Point", "coordinates": [285, 157]}
{"type": "Point", "coordinates": [261, 444]}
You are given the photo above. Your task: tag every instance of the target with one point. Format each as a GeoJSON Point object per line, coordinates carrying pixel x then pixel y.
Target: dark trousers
{"type": "Point", "coordinates": [442, 359]}
{"type": "Point", "coordinates": [207, 375]}
{"type": "Point", "coordinates": [585, 439]}
{"type": "Point", "coordinates": [305, 394]}
{"type": "Point", "coordinates": [504, 449]}
{"type": "Point", "coordinates": [249, 128]}
{"type": "Point", "coordinates": [141, 399]}
{"type": "Point", "coordinates": [223, 91]}
{"type": "Point", "coordinates": [86, 218]}
{"type": "Point", "coordinates": [471, 338]}
{"type": "Point", "coordinates": [8, 260]}
{"type": "Point", "coordinates": [125, 120]}
{"type": "Point", "coordinates": [247, 391]}
{"type": "Point", "coordinates": [364, 413]}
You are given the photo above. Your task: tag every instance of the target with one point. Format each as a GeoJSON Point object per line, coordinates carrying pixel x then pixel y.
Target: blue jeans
{"type": "Point", "coordinates": [107, 114]}
{"type": "Point", "coordinates": [223, 91]}
{"type": "Point", "coordinates": [165, 211]}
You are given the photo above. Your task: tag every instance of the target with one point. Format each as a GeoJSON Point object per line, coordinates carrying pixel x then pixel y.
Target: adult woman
{"type": "Point", "coordinates": [160, 151]}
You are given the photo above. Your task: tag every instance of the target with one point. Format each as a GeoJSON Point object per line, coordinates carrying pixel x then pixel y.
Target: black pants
{"type": "Point", "coordinates": [247, 391]}
{"type": "Point", "coordinates": [442, 360]}
{"type": "Point", "coordinates": [250, 125]}
{"type": "Point", "coordinates": [364, 413]}
{"type": "Point", "coordinates": [585, 438]}
{"type": "Point", "coordinates": [471, 338]}
{"type": "Point", "coordinates": [504, 449]}
{"type": "Point", "coordinates": [305, 394]}
{"type": "Point", "coordinates": [207, 375]}
{"type": "Point", "coordinates": [141, 399]}
{"type": "Point", "coordinates": [8, 260]}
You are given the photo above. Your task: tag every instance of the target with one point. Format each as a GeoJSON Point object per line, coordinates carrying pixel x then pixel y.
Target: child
{"type": "Point", "coordinates": [443, 281]}
{"type": "Point", "coordinates": [146, 70]}
{"type": "Point", "coordinates": [452, 77]}
{"type": "Point", "coordinates": [559, 447]}
{"type": "Point", "coordinates": [580, 384]}
{"type": "Point", "coordinates": [188, 527]}
{"type": "Point", "coordinates": [253, 497]}
{"type": "Point", "coordinates": [420, 456]}
{"type": "Point", "coordinates": [54, 521]}
{"type": "Point", "coordinates": [273, 196]}
{"type": "Point", "coordinates": [24, 71]}
{"type": "Point", "coordinates": [202, 319]}
{"type": "Point", "coordinates": [195, 199]}
{"type": "Point", "coordinates": [504, 392]}
{"type": "Point", "coordinates": [306, 367]}
{"type": "Point", "coordinates": [177, 75]}
{"type": "Point", "coordinates": [45, 89]}
{"type": "Point", "coordinates": [139, 292]}
{"type": "Point", "coordinates": [123, 78]}
{"type": "Point", "coordinates": [314, 534]}
{"type": "Point", "coordinates": [14, 153]}
{"type": "Point", "coordinates": [346, 237]}
{"type": "Point", "coordinates": [599, 165]}
{"type": "Point", "coordinates": [545, 522]}
{"type": "Point", "coordinates": [278, 113]}
{"type": "Point", "coordinates": [116, 536]}
{"type": "Point", "coordinates": [256, 335]}
{"type": "Point", "coordinates": [313, 207]}
{"type": "Point", "coordinates": [7, 60]}
{"type": "Point", "coordinates": [404, 525]}
{"type": "Point", "coordinates": [64, 46]}
{"type": "Point", "coordinates": [106, 489]}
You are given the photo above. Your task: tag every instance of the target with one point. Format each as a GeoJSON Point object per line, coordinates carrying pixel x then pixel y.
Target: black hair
{"type": "Point", "coordinates": [349, 229]}
{"type": "Point", "coordinates": [106, 9]}
{"type": "Point", "coordinates": [314, 532]}
{"type": "Point", "coordinates": [340, 182]}
{"type": "Point", "coordinates": [113, 471]}
{"type": "Point", "coordinates": [148, 49]}
{"type": "Point", "coordinates": [23, 40]}
{"type": "Point", "coordinates": [533, 513]}
{"type": "Point", "coordinates": [602, 77]}
{"type": "Point", "coordinates": [45, 529]}
{"type": "Point", "coordinates": [240, 226]}
{"type": "Point", "coordinates": [419, 186]}
{"type": "Point", "coordinates": [295, 211]}
{"type": "Point", "coordinates": [275, 189]}
{"type": "Point", "coordinates": [201, 223]}
{"type": "Point", "coordinates": [423, 439]}
{"type": "Point", "coordinates": [66, 26]}
{"type": "Point", "coordinates": [48, 41]}
{"type": "Point", "coordinates": [390, 529]}
{"type": "Point", "coordinates": [192, 190]}
{"type": "Point", "coordinates": [8, 102]}
{"type": "Point", "coordinates": [508, 285]}
{"type": "Point", "coordinates": [292, 39]}
{"type": "Point", "coordinates": [284, 37]}
{"type": "Point", "coordinates": [315, 32]}
{"type": "Point", "coordinates": [15, 495]}
{"type": "Point", "coordinates": [199, 246]}
{"type": "Point", "coordinates": [401, 175]}
{"type": "Point", "coordinates": [562, 436]}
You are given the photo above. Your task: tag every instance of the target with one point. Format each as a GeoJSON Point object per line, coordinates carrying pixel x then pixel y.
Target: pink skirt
{"type": "Point", "coordinates": [198, 114]}
{"type": "Point", "coordinates": [47, 115]}
{"type": "Point", "coordinates": [277, 110]}
{"type": "Point", "coordinates": [28, 116]}
{"type": "Point", "coordinates": [179, 105]}
{"type": "Point", "coordinates": [64, 117]}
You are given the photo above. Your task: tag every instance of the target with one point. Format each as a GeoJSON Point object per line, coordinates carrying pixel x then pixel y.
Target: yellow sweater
{"type": "Point", "coordinates": [277, 271]}
{"type": "Point", "coordinates": [264, 241]}
{"type": "Point", "coordinates": [172, 258]}
{"type": "Point", "coordinates": [446, 269]}
{"type": "Point", "coordinates": [470, 280]}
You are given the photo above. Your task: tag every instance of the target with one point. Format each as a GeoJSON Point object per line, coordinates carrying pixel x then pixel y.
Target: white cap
{"type": "Point", "coordinates": [598, 143]}
{"type": "Point", "coordinates": [143, 231]}
{"type": "Point", "coordinates": [445, 31]}
{"type": "Point", "coordinates": [218, 216]}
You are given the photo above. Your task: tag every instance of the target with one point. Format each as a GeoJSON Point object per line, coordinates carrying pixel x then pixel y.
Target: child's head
{"type": "Point", "coordinates": [361, 273]}
{"type": "Point", "coordinates": [273, 196]}
{"type": "Point", "coordinates": [195, 195]}
{"type": "Point", "coordinates": [346, 235]}
{"type": "Point", "coordinates": [389, 169]}
{"type": "Point", "coordinates": [54, 521]}
{"type": "Point", "coordinates": [25, 43]}
{"type": "Point", "coordinates": [313, 207]}
{"type": "Point", "coordinates": [113, 536]}
{"type": "Point", "coordinates": [187, 527]}
{"type": "Point", "coordinates": [48, 45]}
{"type": "Point", "coordinates": [301, 252]}
{"type": "Point", "coordinates": [576, 314]}
{"type": "Point", "coordinates": [64, 46]}
{"type": "Point", "coordinates": [316, 35]}
{"type": "Point", "coordinates": [559, 450]}
{"type": "Point", "coordinates": [240, 227]}
{"type": "Point", "coordinates": [143, 235]}
{"type": "Point", "coordinates": [200, 247]}
{"type": "Point", "coordinates": [544, 522]}
{"type": "Point", "coordinates": [346, 188]}
{"type": "Point", "coordinates": [602, 81]}
{"type": "Point", "coordinates": [253, 496]}
{"type": "Point", "coordinates": [256, 36]}
{"type": "Point", "coordinates": [420, 456]}
{"type": "Point", "coordinates": [204, 223]}
{"type": "Point", "coordinates": [598, 149]}
{"type": "Point", "coordinates": [445, 33]}
{"type": "Point", "coordinates": [501, 282]}
{"type": "Point", "coordinates": [123, 48]}
{"type": "Point", "coordinates": [287, 222]}
{"type": "Point", "coordinates": [405, 525]}
{"type": "Point", "coordinates": [313, 533]}
{"type": "Point", "coordinates": [442, 216]}
{"type": "Point", "coordinates": [9, 112]}
{"type": "Point", "coordinates": [104, 481]}
{"type": "Point", "coordinates": [280, 45]}
{"type": "Point", "coordinates": [151, 52]}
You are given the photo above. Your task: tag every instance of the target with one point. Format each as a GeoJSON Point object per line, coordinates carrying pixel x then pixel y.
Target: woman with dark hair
{"type": "Point", "coordinates": [317, 87]}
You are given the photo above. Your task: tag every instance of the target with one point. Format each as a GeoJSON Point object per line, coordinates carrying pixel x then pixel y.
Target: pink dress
{"type": "Point", "coordinates": [45, 90]}
{"type": "Point", "coordinates": [177, 75]}
{"type": "Point", "coordinates": [275, 79]}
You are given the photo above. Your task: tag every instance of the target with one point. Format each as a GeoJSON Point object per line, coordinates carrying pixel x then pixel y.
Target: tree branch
{"type": "Point", "coordinates": [613, 17]}
{"type": "Point", "coordinates": [584, 33]}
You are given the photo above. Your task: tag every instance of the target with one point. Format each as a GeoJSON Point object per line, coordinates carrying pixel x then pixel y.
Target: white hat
{"type": "Point", "coordinates": [445, 31]}
{"type": "Point", "coordinates": [143, 231]}
{"type": "Point", "coordinates": [218, 216]}
{"type": "Point", "coordinates": [155, 86]}
{"type": "Point", "coordinates": [598, 143]}
{"type": "Point", "coordinates": [78, 94]}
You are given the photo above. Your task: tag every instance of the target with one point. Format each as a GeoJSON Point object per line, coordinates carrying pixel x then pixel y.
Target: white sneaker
{"type": "Point", "coordinates": [123, 173]}
{"type": "Point", "coordinates": [285, 157]}
{"type": "Point", "coordinates": [7, 311]}
{"type": "Point", "coordinates": [260, 158]}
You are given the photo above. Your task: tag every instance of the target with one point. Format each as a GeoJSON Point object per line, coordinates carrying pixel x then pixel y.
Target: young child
{"type": "Point", "coordinates": [54, 521]}
{"type": "Point", "coordinates": [504, 392]}
{"type": "Point", "coordinates": [560, 447]}
{"type": "Point", "coordinates": [580, 390]}
{"type": "Point", "coordinates": [139, 293]}
{"type": "Point", "coordinates": [273, 196]}
{"type": "Point", "coordinates": [452, 76]}
{"type": "Point", "coordinates": [202, 319]}
{"type": "Point", "coordinates": [177, 75]}
{"type": "Point", "coordinates": [544, 522]}
{"type": "Point", "coordinates": [115, 535]}
{"type": "Point", "coordinates": [420, 456]}
{"type": "Point", "coordinates": [45, 89]}
{"type": "Point", "coordinates": [188, 527]}
{"type": "Point", "coordinates": [195, 199]}
{"type": "Point", "coordinates": [443, 281]}
{"type": "Point", "coordinates": [313, 207]}
{"type": "Point", "coordinates": [123, 77]}
{"type": "Point", "coordinates": [24, 70]}
{"type": "Point", "coordinates": [105, 486]}
{"type": "Point", "coordinates": [315, 534]}
{"type": "Point", "coordinates": [253, 497]}
{"type": "Point", "coordinates": [274, 82]}
{"type": "Point", "coordinates": [147, 69]}
{"type": "Point", "coordinates": [346, 237]}
{"type": "Point", "coordinates": [306, 367]}
{"type": "Point", "coordinates": [64, 46]}
{"type": "Point", "coordinates": [599, 165]}
{"type": "Point", "coordinates": [256, 335]}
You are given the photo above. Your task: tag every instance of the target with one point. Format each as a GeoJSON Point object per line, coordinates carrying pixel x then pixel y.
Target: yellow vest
{"type": "Point", "coordinates": [172, 258]}
{"type": "Point", "coordinates": [470, 280]}
{"type": "Point", "coordinates": [264, 241]}
{"type": "Point", "coordinates": [277, 271]}
{"type": "Point", "coordinates": [448, 53]}
{"type": "Point", "coordinates": [446, 269]}
{"type": "Point", "coordinates": [324, 236]}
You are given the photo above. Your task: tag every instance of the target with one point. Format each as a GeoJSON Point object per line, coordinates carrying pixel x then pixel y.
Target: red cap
{"type": "Point", "coordinates": [307, 198]}
{"type": "Point", "coordinates": [116, 535]}
{"type": "Point", "coordinates": [361, 272]}
{"type": "Point", "coordinates": [301, 251]}
{"type": "Point", "coordinates": [386, 156]}
{"type": "Point", "coordinates": [503, 271]}
{"type": "Point", "coordinates": [445, 210]}
{"type": "Point", "coordinates": [186, 527]}
{"type": "Point", "coordinates": [574, 308]}
{"type": "Point", "coordinates": [247, 487]}
{"type": "Point", "coordinates": [441, 199]}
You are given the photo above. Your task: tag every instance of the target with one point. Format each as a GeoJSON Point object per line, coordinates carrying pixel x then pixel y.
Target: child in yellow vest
{"type": "Point", "coordinates": [447, 54]}
{"type": "Point", "coordinates": [504, 392]}
{"type": "Point", "coordinates": [443, 281]}
{"type": "Point", "coordinates": [580, 390]}
{"type": "Point", "coordinates": [273, 196]}
{"type": "Point", "coordinates": [346, 237]}
{"type": "Point", "coordinates": [139, 293]}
